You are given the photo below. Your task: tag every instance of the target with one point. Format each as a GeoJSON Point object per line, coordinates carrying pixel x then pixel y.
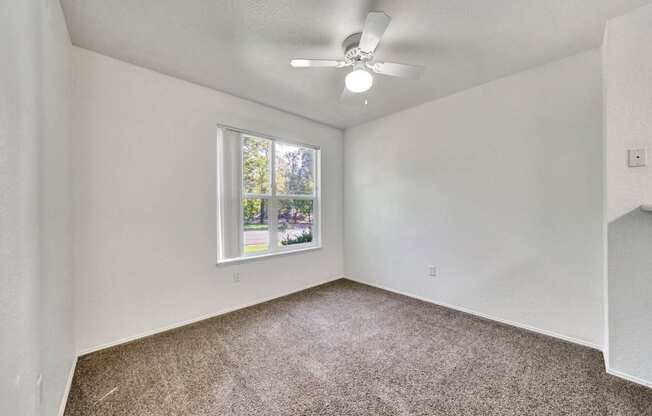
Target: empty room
{"type": "Point", "coordinates": [309, 207]}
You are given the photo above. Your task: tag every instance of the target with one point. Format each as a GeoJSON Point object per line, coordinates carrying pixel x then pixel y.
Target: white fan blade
{"type": "Point", "coordinates": [353, 99]}
{"type": "Point", "coordinates": [397, 70]}
{"type": "Point", "coordinates": [374, 27]}
{"type": "Point", "coordinates": [316, 63]}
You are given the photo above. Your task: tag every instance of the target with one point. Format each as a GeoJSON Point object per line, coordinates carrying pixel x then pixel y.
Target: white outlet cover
{"type": "Point", "coordinates": [637, 158]}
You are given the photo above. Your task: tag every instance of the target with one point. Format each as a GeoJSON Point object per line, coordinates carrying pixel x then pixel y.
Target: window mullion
{"type": "Point", "coordinates": [273, 205]}
{"type": "Point", "coordinates": [256, 196]}
{"type": "Point", "coordinates": [302, 197]}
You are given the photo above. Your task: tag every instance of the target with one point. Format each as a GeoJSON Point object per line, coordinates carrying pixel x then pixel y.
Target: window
{"type": "Point", "coordinates": [275, 184]}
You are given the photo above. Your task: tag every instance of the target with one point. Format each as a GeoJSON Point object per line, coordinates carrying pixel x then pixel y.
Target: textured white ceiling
{"type": "Point", "coordinates": [243, 46]}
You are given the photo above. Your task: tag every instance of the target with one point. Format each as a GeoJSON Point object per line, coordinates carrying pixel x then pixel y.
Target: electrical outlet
{"type": "Point", "coordinates": [637, 158]}
{"type": "Point", "coordinates": [432, 271]}
{"type": "Point", "coordinates": [236, 277]}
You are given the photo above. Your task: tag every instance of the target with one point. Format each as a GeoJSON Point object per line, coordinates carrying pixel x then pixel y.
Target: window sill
{"type": "Point", "coordinates": [267, 255]}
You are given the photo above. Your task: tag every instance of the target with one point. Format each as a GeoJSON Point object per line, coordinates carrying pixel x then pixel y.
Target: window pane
{"type": "Point", "coordinates": [295, 170]}
{"type": "Point", "coordinates": [295, 221]}
{"type": "Point", "coordinates": [256, 170]}
{"type": "Point", "coordinates": [256, 225]}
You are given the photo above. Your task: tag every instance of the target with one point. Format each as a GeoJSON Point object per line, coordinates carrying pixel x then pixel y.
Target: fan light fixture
{"type": "Point", "coordinates": [359, 80]}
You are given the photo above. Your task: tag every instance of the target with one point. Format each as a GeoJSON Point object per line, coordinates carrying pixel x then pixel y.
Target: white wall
{"type": "Point", "coordinates": [500, 188]}
{"type": "Point", "coordinates": [36, 322]}
{"type": "Point", "coordinates": [144, 204]}
{"type": "Point", "coordinates": [19, 26]}
{"type": "Point", "coordinates": [628, 101]}
{"type": "Point", "coordinates": [627, 60]}
{"type": "Point", "coordinates": [57, 344]}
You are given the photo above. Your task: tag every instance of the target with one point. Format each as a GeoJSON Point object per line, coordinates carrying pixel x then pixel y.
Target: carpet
{"type": "Point", "coordinates": [344, 348]}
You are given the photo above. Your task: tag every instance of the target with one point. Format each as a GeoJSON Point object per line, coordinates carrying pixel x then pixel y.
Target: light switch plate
{"type": "Point", "coordinates": [637, 157]}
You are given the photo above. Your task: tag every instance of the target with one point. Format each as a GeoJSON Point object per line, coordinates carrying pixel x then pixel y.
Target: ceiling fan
{"type": "Point", "coordinates": [359, 50]}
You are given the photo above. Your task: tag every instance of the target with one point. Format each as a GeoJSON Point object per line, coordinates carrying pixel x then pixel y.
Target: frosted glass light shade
{"type": "Point", "coordinates": [359, 80]}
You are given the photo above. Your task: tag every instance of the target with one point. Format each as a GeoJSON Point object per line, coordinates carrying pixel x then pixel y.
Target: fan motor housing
{"type": "Point", "coordinates": [351, 46]}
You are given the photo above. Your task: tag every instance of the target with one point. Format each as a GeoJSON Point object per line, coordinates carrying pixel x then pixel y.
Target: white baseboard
{"type": "Point", "coordinates": [629, 377]}
{"type": "Point", "coordinates": [196, 319]}
{"type": "Point", "coordinates": [484, 315]}
{"type": "Point", "coordinates": [66, 392]}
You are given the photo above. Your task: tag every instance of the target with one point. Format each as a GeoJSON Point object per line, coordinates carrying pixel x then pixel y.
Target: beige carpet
{"type": "Point", "coordinates": [348, 349]}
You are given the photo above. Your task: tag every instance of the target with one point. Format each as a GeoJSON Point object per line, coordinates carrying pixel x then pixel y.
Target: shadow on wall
{"type": "Point", "coordinates": [630, 294]}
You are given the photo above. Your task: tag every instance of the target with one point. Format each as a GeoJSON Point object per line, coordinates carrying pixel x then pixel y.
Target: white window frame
{"type": "Point", "coordinates": [274, 247]}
